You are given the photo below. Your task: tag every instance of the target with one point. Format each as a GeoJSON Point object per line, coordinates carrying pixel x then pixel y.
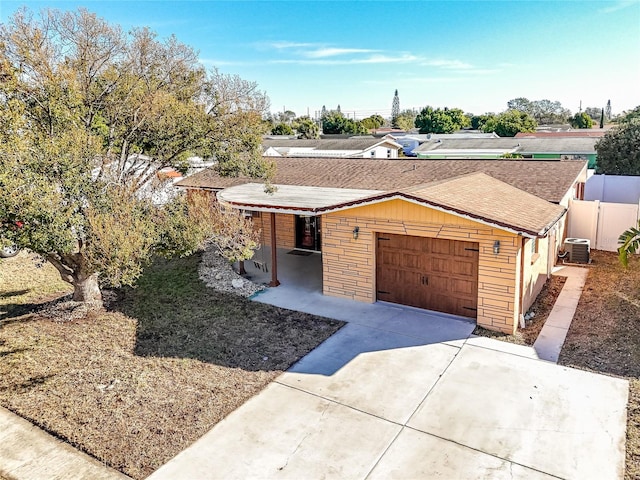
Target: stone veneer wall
{"type": "Point", "coordinates": [349, 265]}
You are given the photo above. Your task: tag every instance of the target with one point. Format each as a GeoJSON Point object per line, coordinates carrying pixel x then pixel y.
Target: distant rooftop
{"type": "Point", "coordinates": [549, 179]}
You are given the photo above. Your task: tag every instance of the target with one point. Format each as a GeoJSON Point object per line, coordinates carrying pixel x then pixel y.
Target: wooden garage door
{"type": "Point", "coordinates": [429, 273]}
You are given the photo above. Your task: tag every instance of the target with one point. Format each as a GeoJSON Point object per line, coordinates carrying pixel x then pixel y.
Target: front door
{"type": "Point", "coordinates": [308, 233]}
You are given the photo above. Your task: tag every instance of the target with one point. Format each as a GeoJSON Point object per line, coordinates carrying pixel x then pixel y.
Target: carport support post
{"type": "Point", "coordinates": [274, 253]}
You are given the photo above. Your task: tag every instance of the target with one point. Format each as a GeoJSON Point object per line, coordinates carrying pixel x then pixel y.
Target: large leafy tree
{"type": "Point", "coordinates": [373, 122]}
{"type": "Point", "coordinates": [543, 111]}
{"type": "Point", "coordinates": [282, 129]}
{"type": "Point", "coordinates": [405, 120]}
{"type": "Point", "coordinates": [306, 128]}
{"type": "Point", "coordinates": [479, 121]}
{"type": "Point", "coordinates": [446, 120]}
{"type": "Point", "coordinates": [594, 112]}
{"type": "Point", "coordinates": [335, 122]}
{"type": "Point", "coordinates": [627, 116]}
{"type": "Point", "coordinates": [581, 120]}
{"type": "Point", "coordinates": [521, 104]}
{"type": "Point", "coordinates": [88, 115]}
{"type": "Point", "coordinates": [619, 149]}
{"type": "Point", "coordinates": [285, 117]}
{"type": "Point", "coordinates": [509, 123]}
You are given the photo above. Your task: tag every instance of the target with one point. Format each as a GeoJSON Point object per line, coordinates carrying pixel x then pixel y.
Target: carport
{"type": "Point", "coordinates": [287, 199]}
{"type": "Point", "coordinates": [298, 271]}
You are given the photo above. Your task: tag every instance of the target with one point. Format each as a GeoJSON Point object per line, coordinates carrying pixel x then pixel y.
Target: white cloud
{"type": "Point", "coordinates": [316, 54]}
{"type": "Point", "coordinates": [283, 45]}
{"type": "Point", "coordinates": [209, 62]}
{"type": "Point", "coordinates": [333, 52]}
{"type": "Point", "coordinates": [374, 59]}
{"type": "Point", "coordinates": [619, 5]}
{"type": "Point", "coordinates": [448, 64]}
{"type": "Point", "coordinates": [381, 58]}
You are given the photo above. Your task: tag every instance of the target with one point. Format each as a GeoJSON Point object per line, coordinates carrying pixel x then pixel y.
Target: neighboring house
{"type": "Point", "coordinates": [363, 147]}
{"type": "Point", "coordinates": [475, 238]}
{"type": "Point", "coordinates": [411, 141]}
{"type": "Point", "coordinates": [583, 132]}
{"type": "Point", "coordinates": [552, 147]}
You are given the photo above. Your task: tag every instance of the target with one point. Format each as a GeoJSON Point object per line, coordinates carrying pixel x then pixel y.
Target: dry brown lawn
{"type": "Point", "coordinates": [134, 384]}
{"type": "Point", "coordinates": [605, 336]}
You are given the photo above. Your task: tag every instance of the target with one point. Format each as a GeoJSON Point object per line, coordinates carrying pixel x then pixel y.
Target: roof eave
{"type": "Point", "coordinates": [286, 209]}
{"type": "Point", "coordinates": [442, 208]}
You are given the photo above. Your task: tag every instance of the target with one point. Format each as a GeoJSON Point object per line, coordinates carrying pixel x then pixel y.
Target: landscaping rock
{"type": "Point", "coordinates": [217, 273]}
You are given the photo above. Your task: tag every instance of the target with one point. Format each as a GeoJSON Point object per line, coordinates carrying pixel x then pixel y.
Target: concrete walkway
{"type": "Point", "coordinates": [29, 453]}
{"type": "Point", "coordinates": [554, 332]}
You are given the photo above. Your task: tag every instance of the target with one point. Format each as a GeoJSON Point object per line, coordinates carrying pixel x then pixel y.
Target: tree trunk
{"type": "Point", "coordinates": [73, 269]}
{"type": "Point", "coordinates": [87, 290]}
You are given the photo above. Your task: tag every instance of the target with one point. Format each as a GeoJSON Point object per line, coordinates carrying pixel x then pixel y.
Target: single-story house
{"type": "Point", "coordinates": [581, 132]}
{"type": "Point", "coordinates": [357, 147]}
{"type": "Point", "coordinates": [411, 141]}
{"type": "Point", "coordinates": [473, 238]}
{"type": "Point", "coordinates": [582, 148]}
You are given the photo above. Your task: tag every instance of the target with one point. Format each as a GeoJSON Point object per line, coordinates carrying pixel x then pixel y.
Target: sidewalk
{"type": "Point", "coordinates": [29, 453]}
{"type": "Point", "coordinates": [554, 332]}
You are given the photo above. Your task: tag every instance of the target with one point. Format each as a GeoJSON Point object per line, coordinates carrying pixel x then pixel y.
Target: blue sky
{"type": "Point", "coordinates": [471, 55]}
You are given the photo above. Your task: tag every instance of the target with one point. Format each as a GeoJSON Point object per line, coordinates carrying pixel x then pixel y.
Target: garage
{"type": "Point", "coordinates": [430, 273]}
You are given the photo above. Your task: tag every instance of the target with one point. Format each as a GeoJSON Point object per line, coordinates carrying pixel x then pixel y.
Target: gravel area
{"type": "Point", "coordinates": [218, 273]}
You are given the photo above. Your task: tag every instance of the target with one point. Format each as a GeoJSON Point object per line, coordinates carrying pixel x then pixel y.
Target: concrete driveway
{"type": "Point", "coordinates": [414, 397]}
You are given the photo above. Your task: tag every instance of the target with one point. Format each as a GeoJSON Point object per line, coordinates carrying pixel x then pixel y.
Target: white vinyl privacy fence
{"type": "Point", "coordinates": [601, 222]}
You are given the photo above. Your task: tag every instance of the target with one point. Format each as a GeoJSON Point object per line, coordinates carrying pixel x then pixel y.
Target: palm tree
{"type": "Point", "coordinates": [629, 244]}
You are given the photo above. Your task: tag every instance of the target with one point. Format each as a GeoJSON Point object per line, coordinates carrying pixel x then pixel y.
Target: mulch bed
{"type": "Point", "coordinates": [136, 383]}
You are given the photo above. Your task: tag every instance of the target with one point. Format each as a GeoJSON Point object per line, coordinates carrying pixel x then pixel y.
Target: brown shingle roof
{"type": "Point", "coordinates": [481, 196]}
{"type": "Point", "coordinates": [549, 180]}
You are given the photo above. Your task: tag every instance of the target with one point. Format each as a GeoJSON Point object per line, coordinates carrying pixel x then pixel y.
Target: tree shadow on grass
{"type": "Point", "coordinates": [23, 312]}
{"type": "Point", "coordinates": [14, 293]}
{"type": "Point", "coordinates": [30, 383]}
{"type": "Point", "coordinates": [179, 316]}
{"type": "Point", "coordinates": [11, 352]}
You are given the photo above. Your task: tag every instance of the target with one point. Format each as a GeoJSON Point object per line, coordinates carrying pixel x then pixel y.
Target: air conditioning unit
{"type": "Point", "coordinates": [577, 250]}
